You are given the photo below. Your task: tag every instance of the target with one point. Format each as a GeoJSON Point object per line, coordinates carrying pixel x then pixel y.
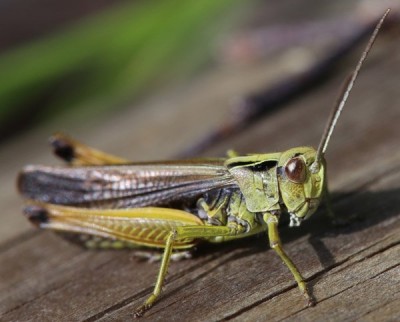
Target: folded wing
{"type": "Point", "coordinates": [124, 186]}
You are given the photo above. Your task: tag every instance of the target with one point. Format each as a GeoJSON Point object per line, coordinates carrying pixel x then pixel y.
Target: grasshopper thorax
{"type": "Point", "coordinates": [301, 185]}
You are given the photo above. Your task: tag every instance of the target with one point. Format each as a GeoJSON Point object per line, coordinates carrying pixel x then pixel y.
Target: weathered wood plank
{"type": "Point", "coordinates": [235, 288]}
{"type": "Point", "coordinates": [44, 278]}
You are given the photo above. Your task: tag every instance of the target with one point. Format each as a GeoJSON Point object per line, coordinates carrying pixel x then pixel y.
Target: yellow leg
{"type": "Point", "coordinates": [275, 243]}
{"type": "Point", "coordinates": [179, 233]}
{"type": "Point", "coordinates": [160, 279]}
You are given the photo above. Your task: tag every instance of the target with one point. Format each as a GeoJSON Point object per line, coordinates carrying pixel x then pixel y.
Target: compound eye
{"type": "Point", "coordinates": [295, 170]}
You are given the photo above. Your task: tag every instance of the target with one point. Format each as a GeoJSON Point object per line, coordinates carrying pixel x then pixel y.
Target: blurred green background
{"type": "Point", "coordinates": [77, 59]}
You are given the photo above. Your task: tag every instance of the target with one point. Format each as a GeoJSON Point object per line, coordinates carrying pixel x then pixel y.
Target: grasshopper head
{"type": "Point", "coordinates": [301, 171]}
{"type": "Point", "coordinates": [301, 182]}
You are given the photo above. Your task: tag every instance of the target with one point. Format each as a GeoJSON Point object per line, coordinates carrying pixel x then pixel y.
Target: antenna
{"type": "Point", "coordinates": [344, 94]}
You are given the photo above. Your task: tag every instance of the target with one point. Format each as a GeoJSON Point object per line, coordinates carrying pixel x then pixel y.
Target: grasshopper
{"type": "Point", "coordinates": [173, 205]}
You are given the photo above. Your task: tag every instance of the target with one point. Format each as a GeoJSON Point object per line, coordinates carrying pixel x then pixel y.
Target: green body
{"type": "Point", "coordinates": [264, 188]}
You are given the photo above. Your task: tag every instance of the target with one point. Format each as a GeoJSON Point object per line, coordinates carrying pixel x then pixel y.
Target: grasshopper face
{"type": "Point", "coordinates": [301, 184]}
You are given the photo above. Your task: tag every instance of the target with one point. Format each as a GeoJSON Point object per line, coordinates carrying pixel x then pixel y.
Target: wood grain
{"type": "Point", "coordinates": [353, 270]}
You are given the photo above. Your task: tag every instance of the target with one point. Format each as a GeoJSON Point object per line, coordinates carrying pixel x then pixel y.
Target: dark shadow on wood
{"type": "Point", "coordinates": [365, 209]}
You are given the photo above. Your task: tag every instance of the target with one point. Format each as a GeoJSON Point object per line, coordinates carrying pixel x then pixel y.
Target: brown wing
{"type": "Point", "coordinates": [124, 186]}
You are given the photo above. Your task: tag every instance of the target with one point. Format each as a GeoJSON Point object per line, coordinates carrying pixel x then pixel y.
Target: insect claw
{"type": "Point", "coordinates": [309, 298]}
{"type": "Point", "coordinates": [311, 302]}
{"type": "Point", "coordinates": [141, 310]}
{"type": "Point", "coordinates": [138, 313]}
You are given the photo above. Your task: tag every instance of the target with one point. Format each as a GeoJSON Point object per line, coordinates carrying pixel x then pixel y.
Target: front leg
{"type": "Point", "coordinates": [275, 243]}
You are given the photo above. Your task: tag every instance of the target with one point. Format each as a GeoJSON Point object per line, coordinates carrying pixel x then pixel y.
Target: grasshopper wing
{"type": "Point", "coordinates": [124, 186]}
